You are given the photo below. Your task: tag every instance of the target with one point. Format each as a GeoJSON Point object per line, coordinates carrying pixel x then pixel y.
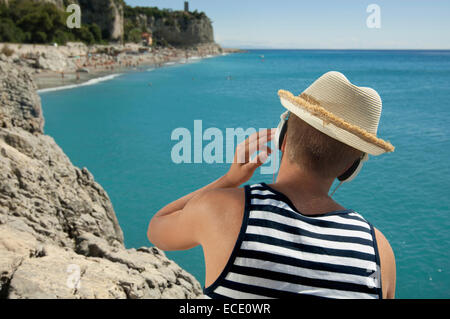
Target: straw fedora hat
{"type": "Point", "coordinates": [341, 110]}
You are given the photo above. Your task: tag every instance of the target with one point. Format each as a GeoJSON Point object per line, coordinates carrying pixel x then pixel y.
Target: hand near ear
{"type": "Point", "coordinates": [243, 165]}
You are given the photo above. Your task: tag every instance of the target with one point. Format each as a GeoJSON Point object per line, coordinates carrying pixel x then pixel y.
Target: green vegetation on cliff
{"type": "Point", "coordinates": [44, 21]}
{"type": "Point", "coordinates": [168, 27]}
{"type": "Point", "coordinates": [27, 21]}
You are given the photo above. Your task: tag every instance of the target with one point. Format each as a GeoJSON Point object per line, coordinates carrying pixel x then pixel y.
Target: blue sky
{"type": "Point", "coordinates": [328, 24]}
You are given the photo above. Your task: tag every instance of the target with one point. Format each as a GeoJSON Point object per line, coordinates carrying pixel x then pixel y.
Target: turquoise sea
{"type": "Point", "coordinates": [121, 131]}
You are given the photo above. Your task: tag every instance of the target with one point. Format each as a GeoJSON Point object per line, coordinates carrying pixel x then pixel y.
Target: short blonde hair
{"type": "Point", "coordinates": [313, 150]}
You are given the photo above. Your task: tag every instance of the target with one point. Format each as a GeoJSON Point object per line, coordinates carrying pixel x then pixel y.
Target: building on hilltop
{"type": "Point", "coordinates": [186, 6]}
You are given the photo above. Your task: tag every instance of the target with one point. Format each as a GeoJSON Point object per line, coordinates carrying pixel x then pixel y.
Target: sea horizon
{"type": "Point", "coordinates": [112, 74]}
{"type": "Point", "coordinates": [333, 49]}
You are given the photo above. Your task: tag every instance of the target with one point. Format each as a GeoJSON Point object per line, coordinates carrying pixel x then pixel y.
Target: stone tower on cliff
{"type": "Point", "coordinates": [186, 6]}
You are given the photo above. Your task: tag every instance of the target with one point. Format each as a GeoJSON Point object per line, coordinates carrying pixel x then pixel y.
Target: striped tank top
{"type": "Point", "coordinates": [281, 253]}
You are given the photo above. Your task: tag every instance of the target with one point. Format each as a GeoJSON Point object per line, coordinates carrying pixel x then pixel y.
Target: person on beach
{"type": "Point", "coordinates": [291, 238]}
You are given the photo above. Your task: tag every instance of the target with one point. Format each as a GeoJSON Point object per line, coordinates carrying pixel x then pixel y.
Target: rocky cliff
{"type": "Point", "coordinates": [59, 236]}
{"type": "Point", "coordinates": [107, 14]}
{"type": "Point", "coordinates": [118, 21]}
{"type": "Point", "coordinates": [176, 28]}
{"type": "Point", "coordinates": [188, 34]}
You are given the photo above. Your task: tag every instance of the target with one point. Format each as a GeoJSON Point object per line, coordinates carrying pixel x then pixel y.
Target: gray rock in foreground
{"type": "Point", "coordinates": [59, 235]}
{"type": "Point", "coordinates": [20, 105]}
{"type": "Point", "coordinates": [30, 269]}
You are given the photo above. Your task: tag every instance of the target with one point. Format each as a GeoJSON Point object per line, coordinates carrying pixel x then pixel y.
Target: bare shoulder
{"type": "Point", "coordinates": [222, 207]}
{"type": "Point", "coordinates": [221, 225]}
{"type": "Point", "coordinates": [388, 268]}
{"type": "Point", "coordinates": [232, 195]}
{"type": "Point", "coordinates": [220, 200]}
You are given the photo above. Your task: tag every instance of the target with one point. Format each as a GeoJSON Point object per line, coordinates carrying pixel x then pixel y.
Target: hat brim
{"type": "Point", "coordinates": [333, 126]}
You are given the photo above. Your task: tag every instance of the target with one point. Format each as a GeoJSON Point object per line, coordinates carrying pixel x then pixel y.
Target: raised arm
{"type": "Point", "coordinates": [180, 224]}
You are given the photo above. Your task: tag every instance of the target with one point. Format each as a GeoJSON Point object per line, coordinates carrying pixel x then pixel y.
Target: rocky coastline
{"type": "Point", "coordinates": [75, 63]}
{"type": "Point", "coordinates": [59, 236]}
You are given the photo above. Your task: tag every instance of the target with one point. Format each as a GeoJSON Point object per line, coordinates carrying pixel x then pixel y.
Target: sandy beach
{"type": "Point", "coordinates": [77, 64]}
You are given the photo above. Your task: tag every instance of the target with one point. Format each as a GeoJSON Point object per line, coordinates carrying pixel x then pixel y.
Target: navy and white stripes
{"type": "Point", "coordinates": [281, 253]}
